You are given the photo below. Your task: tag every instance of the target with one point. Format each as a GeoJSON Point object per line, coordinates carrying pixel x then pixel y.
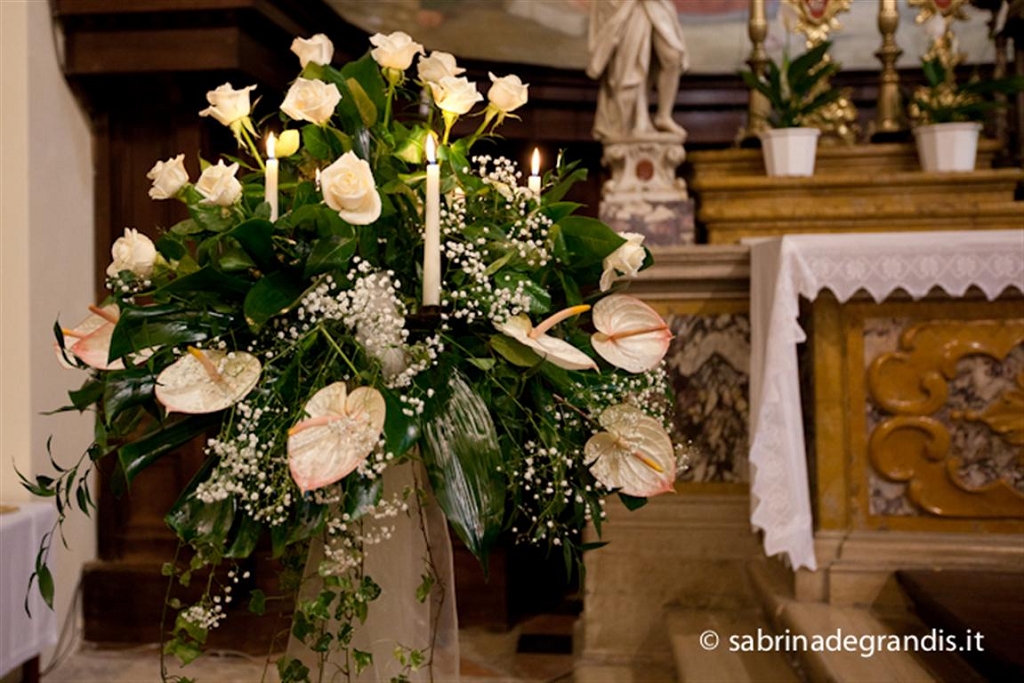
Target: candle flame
{"type": "Point", "coordinates": [431, 151]}
{"type": "Point", "coordinates": [535, 163]}
{"type": "Point", "coordinates": [271, 146]}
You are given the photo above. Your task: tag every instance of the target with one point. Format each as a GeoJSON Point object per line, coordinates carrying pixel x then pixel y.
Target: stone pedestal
{"type": "Point", "coordinates": [644, 195]}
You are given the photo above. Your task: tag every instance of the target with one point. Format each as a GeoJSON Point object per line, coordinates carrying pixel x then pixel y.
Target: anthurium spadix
{"type": "Point", "coordinates": [630, 334]}
{"type": "Point", "coordinates": [558, 351]}
{"type": "Point", "coordinates": [89, 340]}
{"type": "Point", "coordinates": [341, 431]}
{"type": "Point", "coordinates": [634, 454]}
{"type": "Point", "coordinates": [205, 381]}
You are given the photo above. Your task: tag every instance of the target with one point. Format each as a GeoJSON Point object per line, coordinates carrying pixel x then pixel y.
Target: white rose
{"type": "Point", "coordinates": [219, 185]}
{"type": "Point", "coordinates": [624, 261]}
{"type": "Point", "coordinates": [168, 177]}
{"type": "Point", "coordinates": [228, 105]}
{"type": "Point", "coordinates": [319, 49]}
{"type": "Point", "coordinates": [134, 252]}
{"type": "Point", "coordinates": [349, 189]}
{"type": "Point", "coordinates": [435, 67]}
{"type": "Point", "coordinates": [394, 51]}
{"type": "Point", "coordinates": [312, 101]}
{"type": "Point", "coordinates": [507, 93]}
{"type": "Point", "coordinates": [455, 95]}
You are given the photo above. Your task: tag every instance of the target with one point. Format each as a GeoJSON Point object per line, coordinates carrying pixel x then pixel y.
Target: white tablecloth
{"type": "Point", "coordinates": [23, 637]}
{"type": "Point", "coordinates": [783, 269]}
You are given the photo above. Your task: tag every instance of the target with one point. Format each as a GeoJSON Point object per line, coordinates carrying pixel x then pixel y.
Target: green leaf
{"type": "Point", "coordinates": [87, 395]}
{"type": "Point", "coordinates": [244, 537]}
{"type": "Point", "coordinates": [540, 299]}
{"type": "Point", "coordinates": [255, 236]}
{"type": "Point", "coordinates": [423, 590]}
{"type": "Point", "coordinates": [272, 295]}
{"type": "Point", "coordinates": [206, 279]}
{"type": "Point", "coordinates": [559, 210]}
{"type": "Point", "coordinates": [401, 431]}
{"type": "Point", "coordinates": [366, 108]}
{"type": "Point", "coordinates": [330, 254]}
{"type": "Point", "coordinates": [45, 579]}
{"type": "Point", "coordinates": [361, 660]}
{"type": "Point", "coordinates": [588, 240]}
{"type": "Point", "coordinates": [257, 602]}
{"type": "Point", "coordinates": [319, 143]}
{"type": "Point", "coordinates": [164, 325]}
{"type": "Point", "coordinates": [555, 194]}
{"type": "Point", "coordinates": [632, 502]}
{"type": "Point", "coordinates": [514, 352]}
{"type": "Point", "coordinates": [125, 389]}
{"type": "Point", "coordinates": [138, 455]}
{"type": "Point", "coordinates": [463, 458]}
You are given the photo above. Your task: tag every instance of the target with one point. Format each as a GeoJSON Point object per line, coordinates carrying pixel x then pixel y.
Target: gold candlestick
{"type": "Point", "coordinates": [889, 117]}
{"type": "Point", "coordinates": [758, 107]}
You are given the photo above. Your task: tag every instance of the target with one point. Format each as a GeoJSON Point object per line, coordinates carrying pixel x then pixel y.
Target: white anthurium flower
{"type": "Point", "coordinates": [317, 49]}
{"type": "Point", "coordinates": [634, 454]}
{"type": "Point", "coordinates": [455, 94]}
{"type": "Point", "coordinates": [133, 251]}
{"type": "Point", "coordinates": [348, 188]}
{"type": "Point", "coordinates": [229, 106]}
{"type": "Point", "coordinates": [340, 433]}
{"type": "Point", "coordinates": [168, 177]}
{"type": "Point", "coordinates": [311, 100]}
{"type": "Point", "coordinates": [218, 184]}
{"type": "Point", "coordinates": [507, 93]}
{"type": "Point", "coordinates": [557, 351]}
{"type": "Point", "coordinates": [438, 65]}
{"type": "Point", "coordinates": [624, 261]}
{"type": "Point", "coordinates": [205, 381]}
{"type": "Point", "coordinates": [89, 340]}
{"type": "Point", "coordinates": [630, 334]}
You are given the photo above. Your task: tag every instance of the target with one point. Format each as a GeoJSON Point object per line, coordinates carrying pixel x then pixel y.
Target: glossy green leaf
{"type": "Point", "coordinates": [255, 236]}
{"type": "Point", "coordinates": [588, 240]}
{"type": "Point", "coordinates": [330, 254]}
{"type": "Point", "coordinates": [125, 389]}
{"type": "Point", "coordinates": [138, 455]}
{"type": "Point", "coordinates": [206, 279]}
{"type": "Point", "coordinates": [272, 295]}
{"type": "Point", "coordinates": [400, 430]}
{"type": "Point", "coordinates": [463, 459]}
{"type": "Point", "coordinates": [164, 325]}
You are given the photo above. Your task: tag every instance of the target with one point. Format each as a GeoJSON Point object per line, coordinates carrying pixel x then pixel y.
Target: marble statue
{"type": "Point", "coordinates": [633, 43]}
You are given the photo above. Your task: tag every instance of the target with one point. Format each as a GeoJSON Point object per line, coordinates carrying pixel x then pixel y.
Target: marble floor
{"type": "Point", "coordinates": [487, 657]}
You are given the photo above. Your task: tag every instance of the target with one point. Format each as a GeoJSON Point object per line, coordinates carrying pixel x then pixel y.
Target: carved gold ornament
{"type": "Point", "coordinates": [816, 18]}
{"type": "Point", "coordinates": [913, 446]}
{"type": "Point", "coordinates": [947, 9]}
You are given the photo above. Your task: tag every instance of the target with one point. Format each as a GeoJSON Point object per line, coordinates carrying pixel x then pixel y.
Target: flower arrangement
{"type": "Point", "coordinates": [363, 292]}
{"type": "Point", "coordinates": [797, 89]}
{"type": "Point", "coordinates": [945, 100]}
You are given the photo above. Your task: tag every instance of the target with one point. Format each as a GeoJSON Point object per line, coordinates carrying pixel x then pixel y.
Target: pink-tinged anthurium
{"type": "Point", "coordinates": [630, 334]}
{"type": "Point", "coordinates": [341, 431]}
{"type": "Point", "coordinates": [634, 454]}
{"type": "Point", "coordinates": [205, 381]}
{"type": "Point", "coordinates": [560, 352]}
{"type": "Point", "coordinates": [89, 340]}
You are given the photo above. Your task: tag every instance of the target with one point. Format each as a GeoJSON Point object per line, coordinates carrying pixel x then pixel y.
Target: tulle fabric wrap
{"type": "Point", "coordinates": [396, 617]}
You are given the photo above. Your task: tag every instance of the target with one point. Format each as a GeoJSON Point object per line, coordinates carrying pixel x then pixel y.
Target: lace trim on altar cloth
{"type": "Point", "coordinates": [784, 268]}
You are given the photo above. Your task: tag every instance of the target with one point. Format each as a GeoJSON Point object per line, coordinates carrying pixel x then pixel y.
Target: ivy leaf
{"type": "Point", "coordinates": [423, 590]}
{"type": "Point", "coordinates": [257, 602]}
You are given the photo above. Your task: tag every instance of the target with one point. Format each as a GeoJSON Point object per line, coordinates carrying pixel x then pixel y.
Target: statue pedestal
{"type": "Point", "coordinates": [644, 195]}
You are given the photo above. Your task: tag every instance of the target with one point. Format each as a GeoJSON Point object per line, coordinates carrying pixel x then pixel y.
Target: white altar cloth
{"type": "Point", "coordinates": [785, 268]}
{"type": "Point", "coordinates": [22, 637]}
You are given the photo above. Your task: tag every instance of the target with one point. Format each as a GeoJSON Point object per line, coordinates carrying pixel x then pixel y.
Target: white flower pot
{"type": "Point", "coordinates": [946, 147]}
{"type": "Point", "coordinates": [790, 151]}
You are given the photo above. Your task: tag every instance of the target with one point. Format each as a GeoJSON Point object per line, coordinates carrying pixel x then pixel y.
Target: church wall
{"type": "Point", "coordinates": [47, 268]}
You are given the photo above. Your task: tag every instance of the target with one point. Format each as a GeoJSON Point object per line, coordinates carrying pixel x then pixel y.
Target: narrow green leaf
{"type": "Point", "coordinates": [463, 458]}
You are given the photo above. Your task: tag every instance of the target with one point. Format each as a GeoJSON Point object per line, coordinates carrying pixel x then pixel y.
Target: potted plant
{"type": "Point", "coordinates": [796, 90]}
{"type": "Point", "coordinates": [947, 115]}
